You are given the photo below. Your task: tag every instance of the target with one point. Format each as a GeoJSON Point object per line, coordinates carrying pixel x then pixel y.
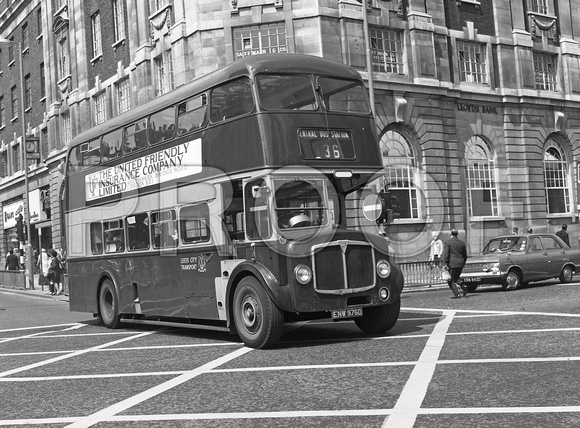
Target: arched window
{"type": "Point", "coordinates": [556, 179]}
{"type": "Point", "coordinates": [401, 175]}
{"type": "Point", "coordinates": [481, 178]}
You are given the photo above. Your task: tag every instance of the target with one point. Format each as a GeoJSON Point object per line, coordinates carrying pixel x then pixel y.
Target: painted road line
{"type": "Point", "coordinates": [72, 354]}
{"type": "Point", "coordinates": [409, 403]}
{"type": "Point", "coordinates": [108, 412]}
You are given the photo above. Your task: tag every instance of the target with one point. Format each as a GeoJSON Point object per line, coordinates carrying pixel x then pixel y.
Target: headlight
{"type": "Point", "coordinates": [383, 268]}
{"type": "Point", "coordinates": [303, 274]}
{"type": "Point", "coordinates": [495, 267]}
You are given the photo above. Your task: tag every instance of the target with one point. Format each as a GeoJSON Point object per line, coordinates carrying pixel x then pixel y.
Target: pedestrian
{"type": "Point", "coordinates": [563, 234]}
{"type": "Point", "coordinates": [43, 265]}
{"type": "Point", "coordinates": [515, 231]}
{"type": "Point", "coordinates": [12, 262]}
{"type": "Point", "coordinates": [454, 257]}
{"type": "Point", "coordinates": [54, 272]}
{"type": "Point", "coordinates": [435, 257]}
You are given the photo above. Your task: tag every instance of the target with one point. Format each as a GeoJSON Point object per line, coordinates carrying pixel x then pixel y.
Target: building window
{"type": "Point", "coordinates": [540, 6]}
{"type": "Point", "coordinates": [387, 50]}
{"type": "Point", "coordinates": [66, 128]}
{"type": "Point", "coordinates": [481, 179]}
{"type": "Point", "coordinates": [63, 58]}
{"type": "Point", "coordinates": [557, 179]}
{"type": "Point", "coordinates": [42, 81]}
{"type": "Point", "coordinates": [25, 36]}
{"type": "Point", "coordinates": [39, 20]}
{"type": "Point", "coordinates": [2, 113]}
{"type": "Point", "coordinates": [11, 51]}
{"type": "Point", "coordinates": [100, 103]}
{"type": "Point", "coordinates": [123, 96]}
{"type": "Point", "coordinates": [14, 102]}
{"type": "Point", "coordinates": [164, 68]}
{"type": "Point", "coordinates": [260, 39]}
{"type": "Point", "coordinates": [16, 158]}
{"type": "Point", "coordinates": [96, 31]}
{"type": "Point", "coordinates": [401, 175]}
{"type": "Point", "coordinates": [27, 92]}
{"type": "Point", "coordinates": [472, 63]}
{"type": "Point", "coordinates": [119, 20]}
{"type": "Point", "coordinates": [545, 71]}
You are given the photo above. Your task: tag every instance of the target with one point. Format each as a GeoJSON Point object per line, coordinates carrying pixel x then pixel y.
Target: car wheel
{"type": "Point", "coordinates": [109, 305]}
{"type": "Point", "coordinates": [470, 287]}
{"type": "Point", "coordinates": [258, 320]}
{"type": "Point", "coordinates": [566, 275]}
{"type": "Point", "coordinates": [512, 281]}
{"type": "Point", "coordinates": [378, 319]}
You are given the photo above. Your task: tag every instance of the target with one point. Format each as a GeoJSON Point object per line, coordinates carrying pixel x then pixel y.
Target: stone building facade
{"type": "Point", "coordinates": [477, 101]}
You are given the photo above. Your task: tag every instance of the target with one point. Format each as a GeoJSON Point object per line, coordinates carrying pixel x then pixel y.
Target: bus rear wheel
{"type": "Point", "coordinates": [109, 305]}
{"type": "Point", "coordinates": [258, 320]}
{"type": "Point", "coordinates": [378, 319]}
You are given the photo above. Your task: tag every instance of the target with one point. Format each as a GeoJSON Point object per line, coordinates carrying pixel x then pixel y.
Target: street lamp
{"type": "Point", "coordinates": [29, 256]}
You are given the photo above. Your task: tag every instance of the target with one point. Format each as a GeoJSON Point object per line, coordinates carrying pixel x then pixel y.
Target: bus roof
{"type": "Point", "coordinates": [249, 66]}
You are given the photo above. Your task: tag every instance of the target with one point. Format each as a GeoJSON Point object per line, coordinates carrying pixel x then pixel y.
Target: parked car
{"type": "Point", "coordinates": [515, 260]}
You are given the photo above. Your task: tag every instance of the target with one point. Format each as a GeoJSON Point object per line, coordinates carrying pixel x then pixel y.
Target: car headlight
{"type": "Point", "coordinates": [495, 267]}
{"type": "Point", "coordinates": [303, 274]}
{"type": "Point", "coordinates": [383, 268]}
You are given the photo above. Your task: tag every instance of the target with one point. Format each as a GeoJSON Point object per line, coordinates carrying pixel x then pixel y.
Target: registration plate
{"type": "Point", "coordinates": [476, 279]}
{"type": "Point", "coordinates": [346, 313]}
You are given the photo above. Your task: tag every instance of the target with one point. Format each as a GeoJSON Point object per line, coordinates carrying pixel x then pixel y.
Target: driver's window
{"type": "Point", "coordinates": [256, 208]}
{"type": "Point", "coordinates": [550, 243]}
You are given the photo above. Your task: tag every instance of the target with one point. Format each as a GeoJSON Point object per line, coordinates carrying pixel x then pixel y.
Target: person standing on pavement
{"type": "Point", "coordinates": [454, 257]}
{"type": "Point", "coordinates": [12, 262]}
{"type": "Point", "coordinates": [436, 256]}
{"type": "Point", "coordinates": [55, 272]}
{"type": "Point", "coordinates": [43, 265]}
{"type": "Point", "coordinates": [563, 234]}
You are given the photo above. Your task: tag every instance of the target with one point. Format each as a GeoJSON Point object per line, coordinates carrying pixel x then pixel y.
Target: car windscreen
{"type": "Point", "coordinates": [515, 243]}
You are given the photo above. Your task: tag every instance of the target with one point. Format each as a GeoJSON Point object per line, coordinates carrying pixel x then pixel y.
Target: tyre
{"type": "Point", "coordinates": [470, 287]}
{"type": "Point", "coordinates": [109, 305]}
{"type": "Point", "coordinates": [257, 319]}
{"type": "Point", "coordinates": [512, 281]}
{"type": "Point", "coordinates": [566, 275]}
{"type": "Point", "coordinates": [378, 319]}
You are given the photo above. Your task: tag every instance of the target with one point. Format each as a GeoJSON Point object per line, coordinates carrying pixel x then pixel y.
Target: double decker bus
{"type": "Point", "coordinates": [235, 203]}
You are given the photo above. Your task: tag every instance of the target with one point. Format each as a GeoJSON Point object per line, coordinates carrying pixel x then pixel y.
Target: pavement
{"type": "Point", "coordinates": [38, 291]}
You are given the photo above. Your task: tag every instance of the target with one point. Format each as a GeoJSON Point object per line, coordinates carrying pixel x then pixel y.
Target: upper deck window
{"type": "Point", "coordinates": [192, 114]}
{"type": "Point", "coordinates": [111, 145]}
{"type": "Point", "coordinates": [84, 155]}
{"type": "Point", "coordinates": [286, 92]}
{"type": "Point", "coordinates": [231, 99]}
{"type": "Point", "coordinates": [346, 96]}
{"type": "Point", "coordinates": [162, 126]}
{"type": "Point", "coordinates": [135, 136]}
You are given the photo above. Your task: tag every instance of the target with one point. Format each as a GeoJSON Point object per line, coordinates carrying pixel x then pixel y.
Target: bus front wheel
{"type": "Point", "coordinates": [109, 305]}
{"type": "Point", "coordinates": [378, 319]}
{"type": "Point", "coordinates": [258, 320]}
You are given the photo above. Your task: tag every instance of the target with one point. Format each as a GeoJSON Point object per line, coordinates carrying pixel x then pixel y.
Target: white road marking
{"type": "Point", "coordinates": [110, 411]}
{"type": "Point", "coordinates": [72, 354]}
{"type": "Point", "coordinates": [406, 409]}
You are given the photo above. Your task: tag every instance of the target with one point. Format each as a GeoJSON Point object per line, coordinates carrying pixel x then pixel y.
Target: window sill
{"type": "Point", "coordinates": [411, 221]}
{"type": "Point", "coordinates": [96, 59]}
{"type": "Point", "coordinates": [486, 218]}
{"type": "Point", "coordinates": [559, 215]}
{"type": "Point", "coordinates": [476, 3]}
{"type": "Point", "coordinates": [14, 119]}
{"type": "Point", "coordinates": [42, 100]}
{"type": "Point", "coordinates": [26, 50]}
{"type": "Point", "coordinates": [12, 63]}
{"type": "Point", "coordinates": [118, 43]}
{"type": "Point", "coordinates": [39, 38]}
{"type": "Point", "coordinates": [28, 110]}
